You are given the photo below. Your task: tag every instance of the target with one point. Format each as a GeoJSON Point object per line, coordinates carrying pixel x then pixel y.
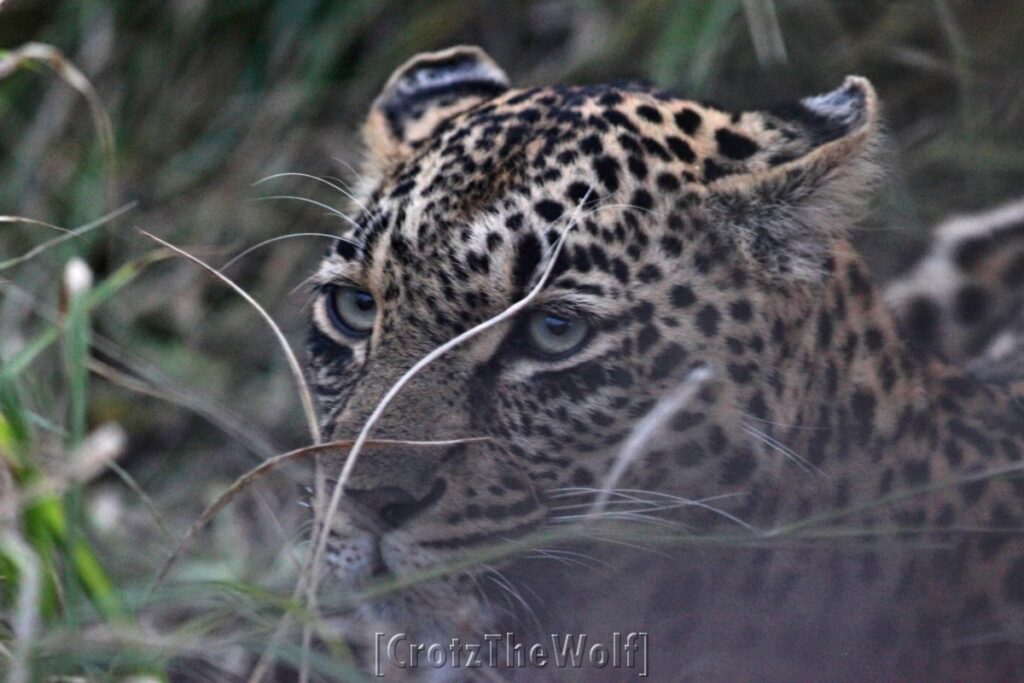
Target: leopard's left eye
{"type": "Point", "coordinates": [555, 336]}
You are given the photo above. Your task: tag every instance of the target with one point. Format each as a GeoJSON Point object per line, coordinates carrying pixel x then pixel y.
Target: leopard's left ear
{"type": "Point", "coordinates": [423, 92]}
{"type": "Point", "coordinates": [819, 171]}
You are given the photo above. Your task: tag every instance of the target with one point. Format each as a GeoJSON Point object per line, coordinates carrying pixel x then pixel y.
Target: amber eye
{"type": "Point", "coordinates": [352, 310]}
{"type": "Point", "coordinates": [555, 336]}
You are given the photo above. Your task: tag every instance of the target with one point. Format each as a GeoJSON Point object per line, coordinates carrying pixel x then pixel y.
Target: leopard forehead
{"type": "Point", "coordinates": [466, 218]}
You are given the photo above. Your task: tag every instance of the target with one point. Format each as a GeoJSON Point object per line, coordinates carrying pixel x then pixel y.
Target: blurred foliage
{"type": "Point", "coordinates": [207, 97]}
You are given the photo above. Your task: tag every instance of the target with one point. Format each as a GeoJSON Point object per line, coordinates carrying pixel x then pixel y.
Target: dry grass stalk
{"type": "Point", "coordinates": [32, 221]}
{"type": "Point", "coordinates": [41, 53]}
{"type": "Point", "coordinates": [293, 363]}
{"type": "Point", "coordinates": [68, 234]}
{"type": "Point", "coordinates": [645, 429]}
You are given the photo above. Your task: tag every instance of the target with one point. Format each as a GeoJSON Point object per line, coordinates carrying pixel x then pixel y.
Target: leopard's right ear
{"type": "Point", "coordinates": [422, 93]}
{"type": "Point", "coordinates": [820, 172]}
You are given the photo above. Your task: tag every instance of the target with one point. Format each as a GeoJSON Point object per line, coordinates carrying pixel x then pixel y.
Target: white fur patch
{"type": "Point", "coordinates": [844, 106]}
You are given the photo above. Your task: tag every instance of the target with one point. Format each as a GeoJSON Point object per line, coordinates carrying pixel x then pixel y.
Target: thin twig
{"type": "Point", "coordinates": [162, 389]}
{"type": "Point", "coordinates": [765, 32]}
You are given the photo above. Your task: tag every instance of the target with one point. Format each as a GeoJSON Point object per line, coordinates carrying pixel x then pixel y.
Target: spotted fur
{"type": "Point", "coordinates": [964, 299]}
{"type": "Point", "coordinates": [699, 238]}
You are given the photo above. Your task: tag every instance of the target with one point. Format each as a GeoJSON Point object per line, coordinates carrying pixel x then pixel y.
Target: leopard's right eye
{"type": "Point", "coordinates": [552, 336]}
{"type": "Point", "coordinates": [352, 310]}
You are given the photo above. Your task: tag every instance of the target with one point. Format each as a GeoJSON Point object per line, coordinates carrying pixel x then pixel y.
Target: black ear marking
{"type": "Point", "coordinates": [455, 73]}
{"type": "Point", "coordinates": [833, 115]}
{"type": "Point", "coordinates": [426, 90]}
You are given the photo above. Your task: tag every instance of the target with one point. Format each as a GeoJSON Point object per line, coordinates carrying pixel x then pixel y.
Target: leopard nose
{"type": "Point", "coordinates": [391, 506]}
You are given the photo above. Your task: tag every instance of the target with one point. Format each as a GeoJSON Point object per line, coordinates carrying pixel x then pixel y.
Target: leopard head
{"type": "Point", "coordinates": [667, 235]}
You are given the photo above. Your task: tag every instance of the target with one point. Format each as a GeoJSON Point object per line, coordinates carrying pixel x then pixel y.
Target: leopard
{"type": "Point", "coordinates": [603, 271]}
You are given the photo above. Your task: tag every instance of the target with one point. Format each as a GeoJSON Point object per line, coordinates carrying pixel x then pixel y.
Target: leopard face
{"type": "Point", "coordinates": [666, 235]}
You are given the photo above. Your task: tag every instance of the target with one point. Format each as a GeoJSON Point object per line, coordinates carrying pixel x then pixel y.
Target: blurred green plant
{"type": "Point", "coordinates": [38, 508]}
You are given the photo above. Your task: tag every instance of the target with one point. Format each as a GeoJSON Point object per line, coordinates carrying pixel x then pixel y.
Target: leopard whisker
{"type": "Point", "coordinates": [580, 558]}
{"type": "Point", "coordinates": [307, 283]}
{"type": "Point", "coordinates": [481, 592]}
{"type": "Point", "coordinates": [785, 450]}
{"type": "Point", "coordinates": [271, 240]}
{"type": "Point", "coordinates": [632, 494]}
{"type": "Point", "coordinates": [349, 167]}
{"type": "Point", "coordinates": [319, 180]}
{"type": "Point", "coordinates": [784, 425]}
{"type": "Point", "coordinates": [343, 216]}
{"type": "Point", "coordinates": [541, 555]}
{"type": "Point", "coordinates": [567, 561]}
{"type": "Point", "coordinates": [654, 507]}
{"type": "Point", "coordinates": [624, 516]}
{"type": "Point", "coordinates": [571, 506]}
{"type": "Point", "coordinates": [502, 582]}
{"type": "Point", "coordinates": [591, 534]}
{"type": "Point", "coordinates": [617, 206]}
{"type": "Point", "coordinates": [703, 504]}
{"type": "Point", "coordinates": [625, 501]}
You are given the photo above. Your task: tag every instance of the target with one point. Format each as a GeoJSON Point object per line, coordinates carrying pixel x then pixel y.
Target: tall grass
{"type": "Point", "coordinates": [49, 563]}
